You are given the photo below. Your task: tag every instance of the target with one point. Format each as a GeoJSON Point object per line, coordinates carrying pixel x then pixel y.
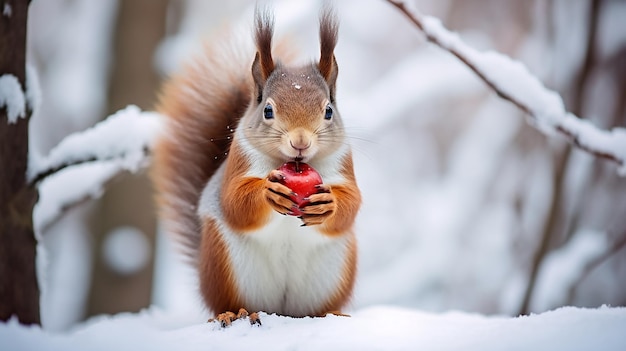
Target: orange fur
{"type": "Point", "coordinates": [217, 283]}
{"type": "Point", "coordinates": [243, 201]}
{"type": "Point", "coordinates": [348, 199]}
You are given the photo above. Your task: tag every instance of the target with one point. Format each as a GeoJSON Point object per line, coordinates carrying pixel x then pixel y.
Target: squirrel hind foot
{"type": "Point", "coordinates": [225, 319]}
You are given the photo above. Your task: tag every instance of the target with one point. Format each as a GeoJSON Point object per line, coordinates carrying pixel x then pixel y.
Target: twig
{"type": "Point", "coordinates": [565, 129]}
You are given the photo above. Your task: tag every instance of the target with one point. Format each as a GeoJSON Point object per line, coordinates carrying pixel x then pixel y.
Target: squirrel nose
{"type": "Point", "coordinates": [300, 139]}
{"type": "Point", "coordinates": [300, 144]}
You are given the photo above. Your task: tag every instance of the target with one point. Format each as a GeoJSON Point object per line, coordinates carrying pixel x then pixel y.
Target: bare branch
{"type": "Point", "coordinates": [544, 106]}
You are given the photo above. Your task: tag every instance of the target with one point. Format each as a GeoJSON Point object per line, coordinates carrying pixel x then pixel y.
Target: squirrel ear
{"type": "Point", "coordinates": [259, 79]}
{"type": "Point", "coordinates": [329, 28]}
{"type": "Point", "coordinates": [330, 76]}
{"type": "Point", "coordinates": [263, 64]}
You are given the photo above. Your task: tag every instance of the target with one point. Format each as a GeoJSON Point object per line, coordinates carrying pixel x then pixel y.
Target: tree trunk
{"type": "Point", "coordinates": [19, 290]}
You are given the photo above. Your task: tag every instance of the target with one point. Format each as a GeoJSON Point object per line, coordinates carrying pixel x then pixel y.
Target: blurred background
{"type": "Point", "coordinates": [466, 207]}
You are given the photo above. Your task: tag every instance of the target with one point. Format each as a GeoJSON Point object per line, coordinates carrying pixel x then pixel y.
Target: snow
{"type": "Point", "coordinates": [12, 97]}
{"type": "Point", "coordinates": [588, 135]}
{"type": "Point", "coordinates": [125, 135]}
{"type": "Point", "coordinates": [374, 328]}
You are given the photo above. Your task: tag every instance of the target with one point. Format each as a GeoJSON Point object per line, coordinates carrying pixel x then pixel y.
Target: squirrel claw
{"type": "Point", "coordinates": [224, 319]}
{"type": "Point", "coordinates": [276, 176]}
{"type": "Point", "coordinates": [255, 319]}
{"type": "Point", "coordinates": [322, 188]}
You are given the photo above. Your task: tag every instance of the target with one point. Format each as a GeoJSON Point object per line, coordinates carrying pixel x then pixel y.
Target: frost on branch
{"type": "Point", "coordinates": [83, 163]}
{"type": "Point", "coordinates": [512, 81]}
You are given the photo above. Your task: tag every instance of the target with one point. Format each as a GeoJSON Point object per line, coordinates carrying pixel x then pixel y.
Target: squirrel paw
{"type": "Point", "coordinates": [227, 318]}
{"type": "Point", "coordinates": [320, 206]}
{"type": "Point", "coordinates": [277, 194]}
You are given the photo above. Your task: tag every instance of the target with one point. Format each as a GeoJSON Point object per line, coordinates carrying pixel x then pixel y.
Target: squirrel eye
{"type": "Point", "coordinates": [329, 112]}
{"type": "Point", "coordinates": [268, 112]}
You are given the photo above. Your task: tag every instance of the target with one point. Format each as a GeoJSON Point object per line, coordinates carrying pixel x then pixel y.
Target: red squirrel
{"type": "Point", "coordinates": [233, 117]}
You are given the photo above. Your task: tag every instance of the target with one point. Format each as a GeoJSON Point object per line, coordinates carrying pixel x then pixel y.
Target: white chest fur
{"type": "Point", "coordinates": [282, 268]}
{"type": "Point", "coordinates": [286, 268]}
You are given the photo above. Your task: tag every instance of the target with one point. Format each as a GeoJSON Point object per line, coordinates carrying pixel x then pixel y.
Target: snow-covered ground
{"type": "Point", "coordinates": [373, 328]}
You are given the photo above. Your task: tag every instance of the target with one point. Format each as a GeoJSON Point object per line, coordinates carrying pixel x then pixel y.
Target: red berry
{"type": "Point", "coordinates": [302, 179]}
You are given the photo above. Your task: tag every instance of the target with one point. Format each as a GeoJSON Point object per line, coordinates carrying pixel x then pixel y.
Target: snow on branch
{"type": "Point", "coordinates": [125, 136]}
{"type": "Point", "coordinates": [80, 166]}
{"type": "Point", "coordinates": [70, 187]}
{"type": "Point", "coordinates": [16, 101]}
{"type": "Point", "coordinates": [12, 97]}
{"type": "Point", "coordinates": [512, 81]}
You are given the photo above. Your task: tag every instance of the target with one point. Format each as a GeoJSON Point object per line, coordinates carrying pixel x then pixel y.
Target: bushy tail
{"type": "Point", "coordinates": [202, 106]}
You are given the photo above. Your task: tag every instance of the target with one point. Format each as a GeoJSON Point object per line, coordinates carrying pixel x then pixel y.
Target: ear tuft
{"type": "Point", "coordinates": [263, 38]}
{"type": "Point", "coordinates": [329, 31]}
{"type": "Point", "coordinates": [329, 28]}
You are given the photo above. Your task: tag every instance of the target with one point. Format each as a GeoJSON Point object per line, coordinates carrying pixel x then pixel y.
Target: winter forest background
{"type": "Point", "coordinates": [466, 206]}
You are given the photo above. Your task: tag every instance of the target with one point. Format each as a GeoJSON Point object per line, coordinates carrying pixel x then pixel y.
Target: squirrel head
{"type": "Point", "coordinates": [293, 115]}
